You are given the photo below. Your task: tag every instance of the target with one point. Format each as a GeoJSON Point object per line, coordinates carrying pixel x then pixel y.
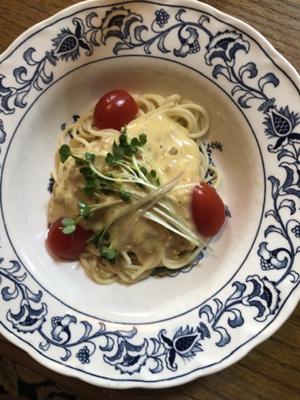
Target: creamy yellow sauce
{"type": "Point", "coordinates": [174, 153]}
{"type": "Point", "coordinates": [170, 146]}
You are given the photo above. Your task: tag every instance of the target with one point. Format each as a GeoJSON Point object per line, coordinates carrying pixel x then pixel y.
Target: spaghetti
{"type": "Point", "coordinates": [133, 189]}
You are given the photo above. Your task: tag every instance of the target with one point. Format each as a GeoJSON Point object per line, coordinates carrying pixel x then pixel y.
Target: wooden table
{"type": "Point", "coordinates": [272, 370]}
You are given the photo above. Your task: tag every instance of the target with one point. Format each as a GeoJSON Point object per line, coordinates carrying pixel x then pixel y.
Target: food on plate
{"type": "Point", "coordinates": [134, 188]}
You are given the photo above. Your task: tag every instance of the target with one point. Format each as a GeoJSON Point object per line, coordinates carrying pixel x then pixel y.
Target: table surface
{"type": "Point", "coordinates": [272, 370]}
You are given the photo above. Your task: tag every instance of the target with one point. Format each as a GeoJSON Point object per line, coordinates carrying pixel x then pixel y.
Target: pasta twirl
{"type": "Point", "coordinates": [140, 216]}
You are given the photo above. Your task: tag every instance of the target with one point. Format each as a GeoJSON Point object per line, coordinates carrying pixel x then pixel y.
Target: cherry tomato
{"type": "Point", "coordinates": [208, 210]}
{"type": "Point", "coordinates": [114, 110]}
{"type": "Point", "coordinates": [67, 247]}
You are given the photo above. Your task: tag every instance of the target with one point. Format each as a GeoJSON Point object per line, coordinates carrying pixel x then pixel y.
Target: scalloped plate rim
{"type": "Point", "coordinates": [292, 299]}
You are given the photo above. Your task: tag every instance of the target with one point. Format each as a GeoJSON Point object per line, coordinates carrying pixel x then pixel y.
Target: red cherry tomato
{"type": "Point", "coordinates": [208, 210]}
{"type": "Point", "coordinates": [114, 110]}
{"type": "Point", "coordinates": [67, 247]}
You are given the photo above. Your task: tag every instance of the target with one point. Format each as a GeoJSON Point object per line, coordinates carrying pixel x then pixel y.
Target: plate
{"type": "Point", "coordinates": [160, 332]}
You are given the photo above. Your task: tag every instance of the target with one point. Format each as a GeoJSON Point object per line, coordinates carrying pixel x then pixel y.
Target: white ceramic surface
{"type": "Point", "coordinates": [160, 332]}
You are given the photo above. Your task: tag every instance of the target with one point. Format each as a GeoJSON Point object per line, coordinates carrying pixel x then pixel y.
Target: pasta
{"type": "Point", "coordinates": [140, 217]}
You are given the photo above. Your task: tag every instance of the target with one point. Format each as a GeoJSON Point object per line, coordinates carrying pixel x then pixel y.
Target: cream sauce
{"type": "Point", "coordinates": [172, 149]}
{"type": "Point", "coordinates": [174, 153]}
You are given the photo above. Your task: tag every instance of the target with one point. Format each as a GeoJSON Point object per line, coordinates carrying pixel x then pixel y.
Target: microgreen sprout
{"type": "Point", "coordinates": [125, 171]}
{"type": "Point", "coordinates": [69, 225]}
{"type": "Point", "coordinates": [109, 254]}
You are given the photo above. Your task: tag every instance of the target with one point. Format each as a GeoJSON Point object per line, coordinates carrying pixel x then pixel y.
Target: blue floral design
{"type": "Point", "coordinates": [118, 347]}
{"type": "Point", "coordinates": [275, 259]}
{"type": "Point", "coordinates": [265, 297]}
{"type": "Point", "coordinates": [83, 355]}
{"type": "Point", "coordinates": [129, 30]}
{"type": "Point", "coordinates": [225, 45]}
{"type": "Point", "coordinates": [2, 132]}
{"type": "Point", "coordinates": [31, 313]}
{"type": "Point", "coordinates": [284, 198]}
{"type": "Point", "coordinates": [296, 230]}
{"type": "Point", "coordinates": [162, 17]}
{"type": "Point", "coordinates": [217, 319]}
{"type": "Point", "coordinates": [68, 44]}
{"type": "Point", "coordinates": [189, 42]}
{"type": "Point", "coordinates": [280, 122]}
{"type": "Point", "coordinates": [11, 97]}
{"type": "Point", "coordinates": [61, 328]}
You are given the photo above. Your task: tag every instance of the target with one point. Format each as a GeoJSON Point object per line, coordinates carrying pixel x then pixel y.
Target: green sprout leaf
{"type": "Point", "coordinates": [109, 254]}
{"type": "Point", "coordinates": [67, 221]}
{"type": "Point", "coordinates": [142, 139]}
{"type": "Point", "coordinates": [124, 148]}
{"type": "Point", "coordinates": [84, 209]}
{"type": "Point", "coordinates": [69, 225]}
{"type": "Point", "coordinates": [144, 171]}
{"type": "Point", "coordinates": [65, 152]}
{"type": "Point", "coordinates": [111, 160]}
{"type": "Point", "coordinates": [153, 173]}
{"type": "Point", "coordinates": [69, 229]}
{"type": "Point", "coordinates": [123, 140]}
{"type": "Point", "coordinates": [118, 151]}
{"type": "Point", "coordinates": [90, 188]}
{"type": "Point", "coordinates": [124, 195]}
{"type": "Point", "coordinates": [134, 144]}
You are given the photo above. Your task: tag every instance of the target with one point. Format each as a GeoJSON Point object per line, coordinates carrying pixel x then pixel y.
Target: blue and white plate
{"type": "Point", "coordinates": [160, 332]}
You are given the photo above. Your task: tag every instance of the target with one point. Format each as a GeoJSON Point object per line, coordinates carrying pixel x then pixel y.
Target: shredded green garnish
{"type": "Point", "coordinates": [125, 170]}
{"type": "Point", "coordinates": [109, 253]}
{"type": "Point", "coordinates": [69, 225]}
